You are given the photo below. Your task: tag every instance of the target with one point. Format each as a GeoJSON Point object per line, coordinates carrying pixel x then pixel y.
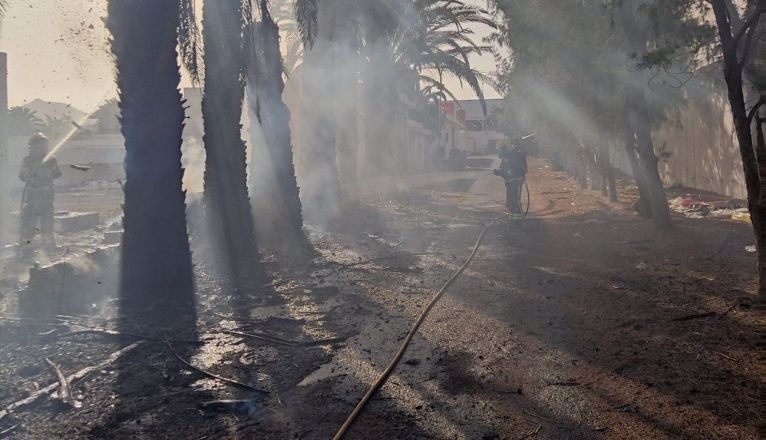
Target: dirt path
{"type": "Point", "coordinates": [568, 325]}
{"type": "Point", "coordinates": [571, 321]}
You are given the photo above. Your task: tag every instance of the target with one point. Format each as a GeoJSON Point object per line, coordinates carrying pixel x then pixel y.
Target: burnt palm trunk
{"type": "Point", "coordinates": [347, 79]}
{"type": "Point", "coordinates": [320, 183]}
{"type": "Point", "coordinates": [155, 246]}
{"type": "Point", "coordinates": [275, 195]}
{"type": "Point", "coordinates": [380, 99]}
{"type": "Point", "coordinates": [226, 195]}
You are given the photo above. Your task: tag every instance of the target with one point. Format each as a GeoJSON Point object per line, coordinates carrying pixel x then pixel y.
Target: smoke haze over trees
{"type": "Point", "coordinates": [333, 219]}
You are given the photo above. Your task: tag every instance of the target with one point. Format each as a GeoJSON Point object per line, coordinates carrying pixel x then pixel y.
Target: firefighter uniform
{"type": "Point", "coordinates": [513, 169]}
{"type": "Point", "coordinates": [37, 205]}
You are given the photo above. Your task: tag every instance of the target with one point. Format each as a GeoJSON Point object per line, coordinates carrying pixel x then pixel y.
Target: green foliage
{"type": "Point", "coordinates": [573, 63]}
{"type": "Point", "coordinates": [436, 41]}
{"type": "Point", "coordinates": [680, 33]}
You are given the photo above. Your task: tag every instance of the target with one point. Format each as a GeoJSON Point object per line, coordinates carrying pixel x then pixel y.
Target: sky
{"type": "Point", "coordinates": [58, 51]}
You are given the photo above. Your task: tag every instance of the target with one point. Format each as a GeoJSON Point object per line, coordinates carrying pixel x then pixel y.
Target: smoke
{"type": "Point", "coordinates": [193, 161]}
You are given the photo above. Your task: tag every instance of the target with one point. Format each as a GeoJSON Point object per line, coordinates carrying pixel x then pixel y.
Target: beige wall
{"type": "Point", "coordinates": [703, 148]}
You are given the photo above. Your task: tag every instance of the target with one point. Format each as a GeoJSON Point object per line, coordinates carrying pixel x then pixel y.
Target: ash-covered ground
{"type": "Point", "coordinates": [579, 322]}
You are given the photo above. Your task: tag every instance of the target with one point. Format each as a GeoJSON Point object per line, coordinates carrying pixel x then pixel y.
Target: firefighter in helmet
{"type": "Point", "coordinates": [38, 173]}
{"type": "Point", "coordinates": [513, 169]}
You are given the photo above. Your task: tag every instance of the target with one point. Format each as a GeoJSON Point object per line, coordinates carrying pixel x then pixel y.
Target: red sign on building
{"type": "Point", "coordinates": [448, 107]}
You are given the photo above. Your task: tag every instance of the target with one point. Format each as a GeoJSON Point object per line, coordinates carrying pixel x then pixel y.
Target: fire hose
{"type": "Point", "coordinates": [421, 319]}
{"type": "Point", "coordinates": [21, 216]}
{"type": "Point", "coordinates": [526, 187]}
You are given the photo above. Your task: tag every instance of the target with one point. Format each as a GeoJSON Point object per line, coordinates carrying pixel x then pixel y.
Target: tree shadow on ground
{"type": "Point", "coordinates": [623, 308]}
{"type": "Point", "coordinates": [625, 312]}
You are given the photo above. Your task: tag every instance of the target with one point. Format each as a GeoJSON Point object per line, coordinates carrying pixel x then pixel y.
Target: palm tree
{"type": "Point", "coordinates": [155, 247]}
{"type": "Point", "coordinates": [401, 46]}
{"type": "Point", "coordinates": [320, 183]}
{"type": "Point", "coordinates": [23, 121]}
{"type": "Point", "coordinates": [274, 186]}
{"type": "Point", "coordinates": [226, 193]}
{"type": "Point", "coordinates": [437, 44]}
{"type": "Point", "coordinates": [429, 42]}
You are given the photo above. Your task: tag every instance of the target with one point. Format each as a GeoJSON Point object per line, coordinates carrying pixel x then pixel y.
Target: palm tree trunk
{"type": "Point", "coordinates": [226, 196]}
{"type": "Point", "coordinates": [381, 99]}
{"type": "Point", "coordinates": [347, 79]}
{"type": "Point", "coordinates": [320, 182]}
{"type": "Point", "coordinates": [275, 196]}
{"type": "Point", "coordinates": [155, 245]}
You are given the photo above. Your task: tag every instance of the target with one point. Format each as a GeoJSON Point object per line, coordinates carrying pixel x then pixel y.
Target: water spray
{"type": "Point", "coordinates": [72, 131]}
{"type": "Point", "coordinates": [76, 126]}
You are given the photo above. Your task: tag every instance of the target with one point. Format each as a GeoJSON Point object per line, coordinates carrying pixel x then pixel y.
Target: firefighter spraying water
{"type": "Point", "coordinates": [513, 169]}
{"type": "Point", "coordinates": [38, 173]}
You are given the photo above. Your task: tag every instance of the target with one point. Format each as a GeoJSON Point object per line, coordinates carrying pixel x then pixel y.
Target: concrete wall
{"type": "Point", "coordinates": [482, 141]}
{"type": "Point", "coordinates": [703, 149]}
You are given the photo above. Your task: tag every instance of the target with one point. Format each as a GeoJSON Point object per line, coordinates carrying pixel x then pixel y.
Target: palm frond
{"type": "Point", "coordinates": [439, 41]}
{"type": "Point", "coordinates": [441, 91]}
{"type": "Point", "coordinates": [189, 41]}
{"type": "Point", "coordinates": [306, 17]}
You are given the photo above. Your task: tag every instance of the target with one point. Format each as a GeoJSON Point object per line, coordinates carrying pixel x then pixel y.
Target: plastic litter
{"type": "Point", "coordinates": [742, 216]}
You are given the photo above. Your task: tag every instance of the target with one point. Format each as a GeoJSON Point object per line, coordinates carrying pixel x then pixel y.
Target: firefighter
{"type": "Point", "coordinates": [38, 175]}
{"type": "Point", "coordinates": [513, 169]}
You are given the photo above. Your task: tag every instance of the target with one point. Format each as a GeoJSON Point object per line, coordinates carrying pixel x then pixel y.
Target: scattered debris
{"type": "Point", "coordinates": [83, 168]}
{"type": "Point", "coordinates": [239, 407]}
{"type": "Point", "coordinates": [532, 432]}
{"type": "Point", "coordinates": [262, 338]}
{"type": "Point", "coordinates": [63, 392]}
{"type": "Point", "coordinates": [691, 207]}
{"type": "Point", "coordinates": [400, 254]}
{"type": "Point", "coordinates": [742, 216]}
{"type": "Point", "coordinates": [564, 383]}
{"type": "Point", "coordinates": [71, 379]}
{"type": "Point", "coordinates": [8, 431]}
{"type": "Point", "coordinates": [116, 334]}
{"type": "Point", "coordinates": [225, 380]}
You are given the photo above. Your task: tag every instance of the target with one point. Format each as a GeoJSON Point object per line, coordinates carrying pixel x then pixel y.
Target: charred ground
{"type": "Point", "coordinates": [579, 322]}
